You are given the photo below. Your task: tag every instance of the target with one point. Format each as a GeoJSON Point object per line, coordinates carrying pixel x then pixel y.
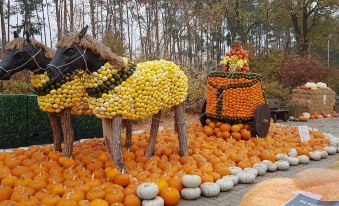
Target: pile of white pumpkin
{"type": "Point", "coordinates": [148, 193]}
{"type": "Point", "coordinates": [315, 86]}
{"type": "Point", "coordinates": [194, 188]}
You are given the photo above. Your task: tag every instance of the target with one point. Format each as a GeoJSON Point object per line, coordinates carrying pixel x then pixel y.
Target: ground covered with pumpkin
{"type": "Point", "coordinates": [41, 176]}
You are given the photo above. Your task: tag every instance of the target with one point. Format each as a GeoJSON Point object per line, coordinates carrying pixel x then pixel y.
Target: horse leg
{"type": "Point", "coordinates": [128, 133]}
{"type": "Point", "coordinates": [182, 130]}
{"type": "Point", "coordinates": [153, 134]}
{"type": "Point", "coordinates": [67, 129]}
{"type": "Point", "coordinates": [56, 130]}
{"type": "Point", "coordinates": [112, 135]}
{"type": "Point", "coordinates": [175, 121]}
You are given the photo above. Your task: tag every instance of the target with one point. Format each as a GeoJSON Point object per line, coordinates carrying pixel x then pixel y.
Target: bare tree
{"type": "Point", "coordinates": [3, 27]}
{"type": "Point", "coordinates": [58, 17]}
{"type": "Point", "coordinates": [92, 14]}
{"type": "Point", "coordinates": [71, 14]}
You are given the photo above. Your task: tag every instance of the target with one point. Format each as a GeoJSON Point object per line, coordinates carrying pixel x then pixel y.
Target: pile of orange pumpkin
{"type": "Point", "coordinates": [225, 130]}
{"type": "Point", "coordinates": [41, 176]}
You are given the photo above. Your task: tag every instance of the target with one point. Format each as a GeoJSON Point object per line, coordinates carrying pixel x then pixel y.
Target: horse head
{"type": "Point", "coordinates": [72, 55]}
{"type": "Point", "coordinates": [23, 53]}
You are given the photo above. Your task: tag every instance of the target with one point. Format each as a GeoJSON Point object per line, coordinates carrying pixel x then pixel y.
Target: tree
{"type": "Point", "coordinates": [305, 15]}
{"type": "Point", "coordinates": [3, 27]}
{"type": "Point", "coordinates": [30, 22]}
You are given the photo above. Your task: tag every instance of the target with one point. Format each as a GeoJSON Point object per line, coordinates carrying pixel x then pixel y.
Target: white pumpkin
{"type": "Point", "coordinates": [303, 159]}
{"type": "Point", "coordinates": [147, 191]}
{"type": "Point", "coordinates": [210, 189]}
{"type": "Point", "coordinates": [282, 165]}
{"type": "Point", "coordinates": [293, 153]}
{"type": "Point", "coordinates": [293, 161]}
{"type": "Point", "coordinates": [324, 154]}
{"type": "Point", "coordinates": [321, 85]}
{"type": "Point", "coordinates": [234, 170]}
{"type": "Point", "coordinates": [246, 177]}
{"type": "Point", "coordinates": [225, 185]}
{"type": "Point", "coordinates": [281, 156]}
{"type": "Point", "coordinates": [252, 170]}
{"type": "Point", "coordinates": [307, 115]}
{"type": "Point", "coordinates": [191, 181]}
{"type": "Point", "coordinates": [316, 155]}
{"type": "Point", "coordinates": [267, 162]}
{"type": "Point", "coordinates": [331, 150]}
{"type": "Point", "coordinates": [234, 178]}
{"type": "Point", "coordinates": [272, 167]}
{"type": "Point", "coordinates": [311, 85]}
{"type": "Point", "coordinates": [157, 201]}
{"type": "Point", "coordinates": [261, 168]}
{"type": "Point", "coordinates": [191, 193]}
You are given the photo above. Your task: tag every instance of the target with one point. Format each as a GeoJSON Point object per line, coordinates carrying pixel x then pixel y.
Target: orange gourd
{"type": "Point", "coordinates": [132, 200]}
{"type": "Point", "coordinates": [171, 196]}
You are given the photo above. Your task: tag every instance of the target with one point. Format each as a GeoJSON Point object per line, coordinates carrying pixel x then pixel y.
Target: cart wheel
{"type": "Point", "coordinates": [203, 115]}
{"type": "Point", "coordinates": [262, 117]}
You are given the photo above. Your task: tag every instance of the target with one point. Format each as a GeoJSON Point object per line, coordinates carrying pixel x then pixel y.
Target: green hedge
{"type": "Point", "coordinates": [23, 124]}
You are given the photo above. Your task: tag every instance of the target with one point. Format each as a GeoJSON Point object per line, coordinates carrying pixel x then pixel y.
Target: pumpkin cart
{"type": "Point", "coordinates": [235, 95]}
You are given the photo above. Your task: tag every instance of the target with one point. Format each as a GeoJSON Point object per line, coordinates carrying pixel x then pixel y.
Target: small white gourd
{"type": "Point", "coordinates": [303, 159]}
{"type": "Point", "coordinates": [293, 153]}
{"type": "Point", "coordinates": [251, 170]}
{"type": "Point", "coordinates": [280, 156]}
{"type": "Point", "coordinates": [147, 191]}
{"type": "Point", "coordinates": [246, 177]}
{"type": "Point", "coordinates": [234, 178]}
{"type": "Point", "coordinates": [210, 189]}
{"type": "Point", "coordinates": [157, 201]}
{"type": "Point", "coordinates": [225, 185]}
{"type": "Point", "coordinates": [272, 167]}
{"type": "Point", "coordinates": [293, 161]}
{"type": "Point", "coordinates": [191, 181]}
{"type": "Point", "coordinates": [316, 155]}
{"type": "Point", "coordinates": [331, 150]}
{"type": "Point", "coordinates": [267, 162]}
{"type": "Point", "coordinates": [261, 168]}
{"type": "Point", "coordinates": [191, 193]}
{"type": "Point", "coordinates": [324, 154]}
{"type": "Point", "coordinates": [282, 165]}
{"type": "Point", "coordinates": [234, 170]}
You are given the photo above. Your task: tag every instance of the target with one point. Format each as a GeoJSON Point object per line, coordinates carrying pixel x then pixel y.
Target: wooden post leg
{"type": "Point", "coordinates": [175, 121]}
{"type": "Point", "coordinates": [128, 133]}
{"type": "Point", "coordinates": [182, 130]}
{"type": "Point", "coordinates": [153, 134]}
{"type": "Point", "coordinates": [56, 130]}
{"type": "Point", "coordinates": [67, 129]}
{"type": "Point", "coordinates": [112, 135]}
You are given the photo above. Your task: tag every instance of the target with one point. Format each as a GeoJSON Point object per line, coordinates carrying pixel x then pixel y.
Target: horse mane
{"type": "Point", "coordinates": [21, 42]}
{"type": "Point", "coordinates": [89, 42]}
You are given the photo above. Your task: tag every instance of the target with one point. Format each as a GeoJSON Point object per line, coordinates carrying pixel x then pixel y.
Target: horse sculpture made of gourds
{"type": "Point", "coordinates": [57, 100]}
{"type": "Point", "coordinates": [118, 89]}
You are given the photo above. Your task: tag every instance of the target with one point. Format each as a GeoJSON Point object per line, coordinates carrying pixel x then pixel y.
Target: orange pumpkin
{"type": "Point", "coordinates": [171, 196]}
{"type": "Point", "coordinates": [132, 200]}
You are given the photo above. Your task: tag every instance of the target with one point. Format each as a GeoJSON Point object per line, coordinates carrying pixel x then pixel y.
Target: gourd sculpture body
{"type": "Point", "coordinates": [235, 95]}
{"type": "Point", "coordinates": [119, 89]}
{"type": "Point", "coordinates": [26, 53]}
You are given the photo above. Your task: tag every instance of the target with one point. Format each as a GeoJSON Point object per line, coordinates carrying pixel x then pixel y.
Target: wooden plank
{"type": "Point", "coordinates": [262, 121]}
{"type": "Point", "coordinates": [182, 130]}
{"type": "Point", "coordinates": [67, 129]}
{"type": "Point", "coordinates": [112, 135]}
{"type": "Point", "coordinates": [56, 130]}
{"type": "Point", "coordinates": [203, 116]}
{"type": "Point", "coordinates": [128, 133]}
{"type": "Point", "coordinates": [153, 134]}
